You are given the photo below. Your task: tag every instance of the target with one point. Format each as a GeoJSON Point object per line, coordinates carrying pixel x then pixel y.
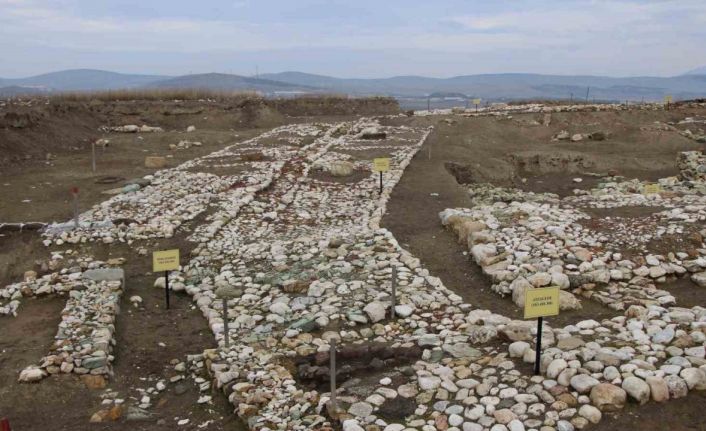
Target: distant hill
{"type": "Point", "coordinates": [503, 86]}
{"type": "Point", "coordinates": [698, 71]}
{"type": "Point", "coordinates": [82, 80]}
{"type": "Point", "coordinates": [512, 86]}
{"type": "Point", "coordinates": [221, 81]}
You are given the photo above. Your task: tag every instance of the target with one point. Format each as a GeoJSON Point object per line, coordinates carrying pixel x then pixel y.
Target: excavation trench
{"type": "Point", "coordinates": [430, 185]}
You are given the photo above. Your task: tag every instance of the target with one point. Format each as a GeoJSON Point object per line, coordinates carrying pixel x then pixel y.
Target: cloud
{"type": "Point", "coordinates": [589, 36]}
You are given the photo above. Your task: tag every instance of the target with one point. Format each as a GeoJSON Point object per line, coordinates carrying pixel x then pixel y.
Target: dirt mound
{"type": "Point", "coordinates": [39, 128]}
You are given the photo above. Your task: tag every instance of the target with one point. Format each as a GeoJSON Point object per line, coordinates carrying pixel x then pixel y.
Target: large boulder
{"type": "Point", "coordinates": [637, 388]}
{"type": "Point", "coordinates": [658, 388]}
{"type": "Point", "coordinates": [583, 383]}
{"type": "Point", "coordinates": [699, 278]}
{"type": "Point", "coordinates": [607, 397]}
{"type": "Point", "coordinates": [567, 301]}
{"type": "Point", "coordinates": [518, 287]}
{"type": "Point", "coordinates": [695, 378]}
{"type": "Point", "coordinates": [32, 374]}
{"type": "Point", "coordinates": [677, 386]}
{"type": "Point", "coordinates": [375, 311]}
{"type": "Point", "coordinates": [340, 168]}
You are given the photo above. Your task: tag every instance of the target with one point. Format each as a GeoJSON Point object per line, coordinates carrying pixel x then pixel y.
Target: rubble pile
{"type": "Point", "coordinates": [61, 282]}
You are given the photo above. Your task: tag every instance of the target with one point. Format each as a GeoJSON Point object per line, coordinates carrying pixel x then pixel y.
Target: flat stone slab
{"type": "Point", "coordinates": [105, 274]}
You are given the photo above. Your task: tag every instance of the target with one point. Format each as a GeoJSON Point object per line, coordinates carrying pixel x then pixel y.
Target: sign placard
{"type": "Point", "coordinates": [541, 302]}
{"type": "Point", "coordinates": [667, 99]}
{"type": "Point", "coordinates": [381, 164]}
{"type": "Point", "coordinates": [651, 189]}
{"type": "Point", "coordinates": [476, 101]}
{"type": "Point", "coordinates": [165, 260]}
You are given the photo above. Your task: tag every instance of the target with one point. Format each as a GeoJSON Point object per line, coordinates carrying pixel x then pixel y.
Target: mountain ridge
{"type": "Point", "coordinates": [500, 86]}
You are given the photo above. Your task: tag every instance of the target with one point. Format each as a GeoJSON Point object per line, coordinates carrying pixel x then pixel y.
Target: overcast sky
{"type": "Point", "coordinates": [354, 38]}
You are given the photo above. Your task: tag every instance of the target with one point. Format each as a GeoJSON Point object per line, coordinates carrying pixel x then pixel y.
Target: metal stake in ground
{"type": "Point", "coordinates": [332, 371]}
{"type": "Point", "coordinates": [538, 352]}
{"type": "Point", "coordinates": [227, 293]}
{"type": "Point", "coordinates": [166, 286]}
{"type": "Point", "coordinates": [380, 182]}
{"type": "Point", "coordinates": [74, 193]}
{"type": "Point", "coordinates": [93, 156]}
{"type": "Point", "coordinates": [393, 299]}
{"type": "Point", "coordinates": [226, 331]}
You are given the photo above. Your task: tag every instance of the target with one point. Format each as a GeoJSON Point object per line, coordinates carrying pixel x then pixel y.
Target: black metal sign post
{"type": "Point", "coordinates": [538, 353]}
{"type": "Point", "coordinates": [166, 287]}
{"type": "Point", "coordinates": [540, 303]}
{"type": "Point", "coordinates": [165, 260]}
{"type": "Point", "coordinates": [393, 299]}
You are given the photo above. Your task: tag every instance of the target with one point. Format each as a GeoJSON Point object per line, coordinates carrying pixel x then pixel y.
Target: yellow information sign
{"type": "Point", "coordinates": [541, 302]}
{"type": "Point", "coordinates": [667, 99]}
{"type": "Point", "coordinates": [165, 260]}
{"type": "Point", "coordinates": [476, 101]}
{"type": "Point", "coordinates": [381, 164]}
{"type": "Point", "coordinates": [651, 189]}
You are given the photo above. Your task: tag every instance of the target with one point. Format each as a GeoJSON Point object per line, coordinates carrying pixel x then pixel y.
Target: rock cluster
{"type": "Point", "coordinates": [84, 341]}
{"type": "Point", "coordinates": [525, 240]}
{"type": "Point", "coordinates": [502, 109]}
{"type": "Point", "coordinates": [61, 282]}
{"type": "Point", "coordinates": [131, 128]}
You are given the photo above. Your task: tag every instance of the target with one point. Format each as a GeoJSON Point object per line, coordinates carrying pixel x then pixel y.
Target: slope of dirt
{"type": "Point", "coordinates": [30, 130]}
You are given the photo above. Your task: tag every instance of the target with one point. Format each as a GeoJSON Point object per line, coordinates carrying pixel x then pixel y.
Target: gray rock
{"type": "Point", "coordinates": [361, 409]}
{"type": "Point", "coordinates": [607, 397]}
{"type": "Point", "coordinates": [105, 274]}
{"type": "Point", "coordinates": [583, 383]}
{"type": "Point", "coordinates": [637, 389]}
{"type": "Point", "coordinates": [462, 350]}
{"type": "Point", "coordinates": [591, 413]}
{"type": "Point", "coordinates": [375, 311]}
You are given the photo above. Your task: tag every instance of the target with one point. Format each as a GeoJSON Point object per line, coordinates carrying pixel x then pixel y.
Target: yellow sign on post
{"type": "Point", "coordinates": [381, 164]}
{"type": "Point", "coordinates": [476, 101]}
{"type": "Point", "coordinates": [165, 260]}
{"type": "Point", "coordinates": [541, 302]}
{"type": "Point", "coordinates": [651, 189]}
{"type": "Point", "coordinates": [667, 99]}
